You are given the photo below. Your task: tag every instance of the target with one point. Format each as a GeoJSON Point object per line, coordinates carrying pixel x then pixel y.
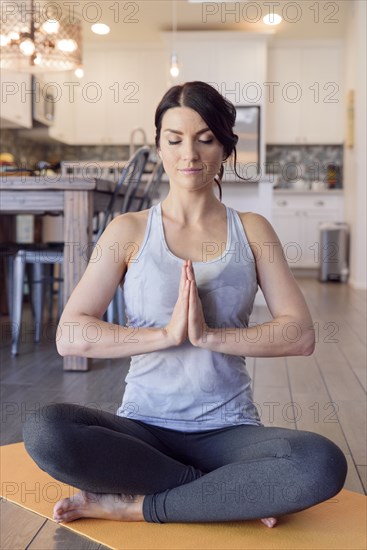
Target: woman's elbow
{"type": "Point", "coordinates": [68, 342]}
{"type": "Point", "coordinates": [308, 342]}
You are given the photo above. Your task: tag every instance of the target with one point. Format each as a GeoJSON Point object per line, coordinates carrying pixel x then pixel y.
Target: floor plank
{"type": "Point", "coordinates": [56, 537]}
{"type": "Point", "coordinates": [353, 481]}
{"type": "Point", "coordinates": [18, 526]}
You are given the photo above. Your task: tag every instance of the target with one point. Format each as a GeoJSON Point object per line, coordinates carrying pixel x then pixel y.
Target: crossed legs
{"type": "Point", "coordinates": [133, 471]}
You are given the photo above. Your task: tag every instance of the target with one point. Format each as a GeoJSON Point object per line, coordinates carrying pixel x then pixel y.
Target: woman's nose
{"type": "Point", "coordinates": [190, 151]}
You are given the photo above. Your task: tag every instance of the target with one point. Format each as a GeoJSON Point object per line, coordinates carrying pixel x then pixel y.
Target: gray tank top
{"type": "Point", "coordinates": [188, 388]}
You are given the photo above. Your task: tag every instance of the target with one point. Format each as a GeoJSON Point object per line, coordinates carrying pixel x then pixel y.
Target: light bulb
{"type": "Point", "coordinates": [100, 28]}
{"type": "Point", "coordinates": [79, 72]}
{"type": "Point", "coordinates": [272, 19]}
{"type": "Point", "coordinates": [51, 26]}
{"type": "Point", "coordinates": [14, 35]}
{"type": "Point", "coordinates": [4, 40]}
{"type": "Point", "coordinates": [37, 60]}
{"type": "Point", "coordinates": [67, 45]}
{"type": "Point", "coordinates": [174, 70]}
{"type": "Point", "coordinates": [27, 47]}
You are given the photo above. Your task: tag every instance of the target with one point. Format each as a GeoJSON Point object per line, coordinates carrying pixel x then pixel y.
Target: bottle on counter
{"type": "Point", "coordinates": [333, 176]}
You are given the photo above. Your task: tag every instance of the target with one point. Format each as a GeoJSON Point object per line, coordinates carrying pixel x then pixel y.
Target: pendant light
{"type": "Point", "coordinates": [39, 36]}
{"type": "Point", "coordinates": [174, 70]}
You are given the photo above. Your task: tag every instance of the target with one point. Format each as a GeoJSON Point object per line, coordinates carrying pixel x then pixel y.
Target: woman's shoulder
{"type": "Point", "coordinates": [130, 223]}
{"type": "Point", "coordinates": [257, 227]}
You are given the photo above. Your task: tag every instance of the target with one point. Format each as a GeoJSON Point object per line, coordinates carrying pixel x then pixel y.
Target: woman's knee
{"type": "Point", "coordinates": [326, 464]}
{"type": "Point", "coordinates": [43, 430]}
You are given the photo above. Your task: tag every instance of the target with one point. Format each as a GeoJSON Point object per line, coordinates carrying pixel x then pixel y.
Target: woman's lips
{"type": "Point", "coordinates": [190, 170]}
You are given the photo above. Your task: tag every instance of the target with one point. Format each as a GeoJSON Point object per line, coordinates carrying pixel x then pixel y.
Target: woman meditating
{"type": "Point", "coordinates": [187, 443]}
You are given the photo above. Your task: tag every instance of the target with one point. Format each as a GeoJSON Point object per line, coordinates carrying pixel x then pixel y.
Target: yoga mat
{"type": "Point", "coordinates": [339, 523]}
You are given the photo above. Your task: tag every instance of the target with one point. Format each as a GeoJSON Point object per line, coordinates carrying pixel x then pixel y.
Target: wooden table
{"type": "Point", "coordinates": [77, 199]}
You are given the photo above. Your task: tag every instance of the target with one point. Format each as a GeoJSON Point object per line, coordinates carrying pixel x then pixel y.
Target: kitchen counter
{"type": "Point", "coordinates": [333, 192]}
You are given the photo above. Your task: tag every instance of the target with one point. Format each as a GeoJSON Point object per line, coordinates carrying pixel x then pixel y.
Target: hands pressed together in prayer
{"type": "Point", "coordinates": [187, 319]}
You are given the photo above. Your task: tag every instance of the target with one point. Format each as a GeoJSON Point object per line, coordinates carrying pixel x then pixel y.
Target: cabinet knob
{"type": "Point", "coordinates": [282, 203]}
{"type": "Point", "coordinates": [319, 203]}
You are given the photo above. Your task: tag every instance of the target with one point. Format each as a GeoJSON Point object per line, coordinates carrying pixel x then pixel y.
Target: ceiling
{"type": "Point", "coordinates": [143, 20]}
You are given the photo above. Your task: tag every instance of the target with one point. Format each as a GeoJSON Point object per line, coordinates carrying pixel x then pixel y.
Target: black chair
{"type": "Point", "coordinates": [151, 189]}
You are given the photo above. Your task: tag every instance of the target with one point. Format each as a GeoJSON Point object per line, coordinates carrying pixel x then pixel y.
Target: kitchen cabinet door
{"type": "Point", "coordinates": [63, 127]}
{"type": "Point", "coordinates": [297, 219]}
{"type": "Point", "coordinates": [322, 119]}
{"type": "Point", "coordinates": [288, 226]}
{"type": "Point", "coordinates": [233, 62]}
{"type": "Point", "coordinates": [284, 85]}
{"type": "Point", "coordinates": [91, 100]}
{"type": "Point", "coordinates": [16, 99]}
{"type": "Point", "coordinates": [135, 89]}
{"type": "Point", "coordinates": [120, 91]}
{"type": "Point", "coordinates": [307, 104]}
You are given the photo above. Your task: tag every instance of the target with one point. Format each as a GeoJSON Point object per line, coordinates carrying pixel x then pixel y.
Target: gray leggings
{"type": "Point", "coordinates": [233, 473]}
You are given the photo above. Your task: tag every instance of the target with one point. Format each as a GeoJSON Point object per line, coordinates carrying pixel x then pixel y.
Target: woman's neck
{"type": "Point", "coordinates": [191, 209]}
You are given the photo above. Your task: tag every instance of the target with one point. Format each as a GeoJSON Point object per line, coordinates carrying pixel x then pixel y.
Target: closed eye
{"type": "Point", "coordinates": [200, 141]}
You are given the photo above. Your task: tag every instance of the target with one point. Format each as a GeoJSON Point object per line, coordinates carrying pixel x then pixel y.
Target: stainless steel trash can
{"type": "Point", "coordinates": [334, 252]}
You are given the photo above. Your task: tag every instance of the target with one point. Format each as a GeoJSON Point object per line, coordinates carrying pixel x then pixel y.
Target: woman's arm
{"type": "Point", "coordinates": [81, 331]}
{"type": "Point", "coordinates": [291, 331]}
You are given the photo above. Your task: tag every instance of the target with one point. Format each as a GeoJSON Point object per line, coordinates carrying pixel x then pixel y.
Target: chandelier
{"type": "Point", "coordinates": [39, 36]}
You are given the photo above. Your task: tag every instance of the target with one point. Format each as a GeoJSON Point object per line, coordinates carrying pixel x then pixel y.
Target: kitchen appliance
{"type": "Point", "coordinates": [247, 128]}
{"type": "Point", "coordinates": [44, 100]}
{"type": "Point", "coordinates": [334, 252]}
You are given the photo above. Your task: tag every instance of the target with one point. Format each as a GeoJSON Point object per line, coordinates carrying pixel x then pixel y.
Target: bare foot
{"type": "Point", "coordinates": [120, 507]}
{"type": "Point", "coordinates": [269, 522]}
{"type": "Point", "coordinates": [85, 504]}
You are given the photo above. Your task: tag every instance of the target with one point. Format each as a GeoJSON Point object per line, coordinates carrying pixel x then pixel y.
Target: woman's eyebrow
{"type": "Point", "coordinates": [181, 133]}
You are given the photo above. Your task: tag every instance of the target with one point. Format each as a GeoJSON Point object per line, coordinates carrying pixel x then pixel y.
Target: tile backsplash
{"type": "Point", "coordinates": [28, 152]}
{"type": "Point", "coordinates": [308, 162]}
{"type": "Point", "coordinates": [290, 162]}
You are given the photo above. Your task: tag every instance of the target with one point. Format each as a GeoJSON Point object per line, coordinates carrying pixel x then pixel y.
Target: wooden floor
{"type": "Point", "coordinates": [324, 393]}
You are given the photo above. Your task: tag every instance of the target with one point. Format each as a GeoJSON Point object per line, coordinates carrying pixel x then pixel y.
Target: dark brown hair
{"type": "Point", "coordinates": [218, 113]}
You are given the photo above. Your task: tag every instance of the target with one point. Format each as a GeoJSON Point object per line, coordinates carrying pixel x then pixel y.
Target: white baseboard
{"type": "Point", "coordinates": [358, 285]}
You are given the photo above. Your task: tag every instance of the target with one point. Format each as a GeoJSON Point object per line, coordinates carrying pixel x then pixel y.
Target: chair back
{"type": "Point", "coordinates": [129, 180]}
{"type": "Point", "coordinates": [151, 187]}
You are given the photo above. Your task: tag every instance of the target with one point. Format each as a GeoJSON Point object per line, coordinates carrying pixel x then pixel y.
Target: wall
{"type": "Point", "coordinates": [355, 158]}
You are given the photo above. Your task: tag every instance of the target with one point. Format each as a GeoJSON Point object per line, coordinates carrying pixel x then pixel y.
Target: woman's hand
{"type": "Point", "coordinates": [177, 328]}
{"type": "Point", "coordinates": [197, 327]}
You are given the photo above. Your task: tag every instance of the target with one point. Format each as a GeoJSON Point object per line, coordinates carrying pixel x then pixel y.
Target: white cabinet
{"type": "Point", "coordinates": [16, 99]}
{"type": "Point", "coordinates": [305, 93]}
{"type": "Point", "coordinates": [63, 127]}
{"type": "Point", "coordinates": [296, 219]}
{"type": "Point", "coordinates": [135, 89]}
{"type": "Point", "coordinates": [234, 62]}
{"type": "Point", "coordinates": [122, 87]}
{"type": "Point", "coordinates": [91, 100]}
{"type": "Point", "coordinates": [119, 91]}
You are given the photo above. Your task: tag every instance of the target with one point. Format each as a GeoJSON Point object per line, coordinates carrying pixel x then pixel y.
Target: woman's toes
{"type": "Point", "coordinates": [63, 507]}
{"type": "Point", "coordinates": [269, 522]}
{"type": "Point", "coordinates": [67, 516]}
